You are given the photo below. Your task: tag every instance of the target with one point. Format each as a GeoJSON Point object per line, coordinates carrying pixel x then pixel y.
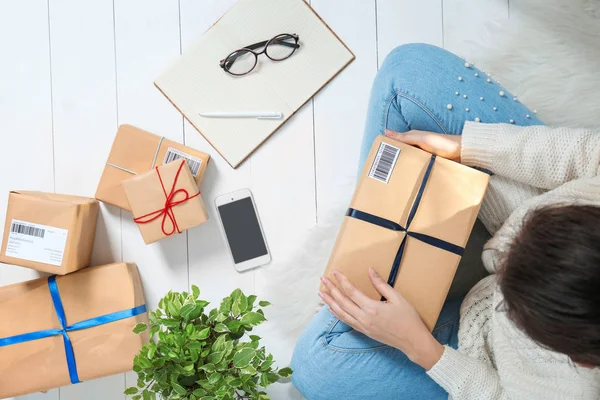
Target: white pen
{"type": "Point", "coordinates": [244, 114]}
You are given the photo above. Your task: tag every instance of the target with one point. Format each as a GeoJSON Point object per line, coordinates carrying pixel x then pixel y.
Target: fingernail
{"type": "Point", "coordinates": [320, 295]}
{"type": "Point", "coordinates": [336, 273]}
{"type": "Point", "coordinates": [388, 133]}
{"type": "Point", "coordinates": [324, 280]}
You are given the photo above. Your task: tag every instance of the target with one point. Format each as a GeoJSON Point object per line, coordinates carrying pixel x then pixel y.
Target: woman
{"type": "Point", "coordinates": [531, 330]}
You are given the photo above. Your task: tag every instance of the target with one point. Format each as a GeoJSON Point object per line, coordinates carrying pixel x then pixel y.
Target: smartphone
{"type": "Point", "coordinates": [242, 230]}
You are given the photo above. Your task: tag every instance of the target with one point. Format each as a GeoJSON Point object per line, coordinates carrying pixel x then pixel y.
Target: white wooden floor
{"type": "Point", "coordinates": [71, 71]}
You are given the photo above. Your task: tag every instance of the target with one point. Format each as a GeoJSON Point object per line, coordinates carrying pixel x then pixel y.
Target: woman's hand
{"type": "Point", "coordinates": [394, 322]}
{"type": "Point", "coordinates": [447, 146]}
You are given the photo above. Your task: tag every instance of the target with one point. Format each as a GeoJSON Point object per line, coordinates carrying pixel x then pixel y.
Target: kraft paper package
{"type": "Point", "coordinates": [404, 189]}
{"type": "Point", "coordinates": [165, 200]}
{"type": "Point", "coordinates": [136, 151]}
{"type": "Point", "coordinates": [98, 347]}
{"type": "Point", "coordinates": [49, 232]}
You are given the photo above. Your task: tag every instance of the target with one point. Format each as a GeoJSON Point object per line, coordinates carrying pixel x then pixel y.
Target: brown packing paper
{"type": "Point", "coordinates": [77, 215]}
{"type": "Point", "coordinates": [147, 198]}
{"type": "Point", "coordinates": [136, 151]}
{"type": "Point", "coordinates": [447, 211]}
{"type": "Point", "coordinates": [99, 351]}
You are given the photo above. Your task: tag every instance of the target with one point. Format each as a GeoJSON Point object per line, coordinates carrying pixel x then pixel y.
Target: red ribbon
{"type": "Point", "coordinates": [170, 202]}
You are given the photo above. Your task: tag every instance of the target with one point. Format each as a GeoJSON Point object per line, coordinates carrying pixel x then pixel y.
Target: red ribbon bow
{"type": "Point", "coordinates": [170, 202]}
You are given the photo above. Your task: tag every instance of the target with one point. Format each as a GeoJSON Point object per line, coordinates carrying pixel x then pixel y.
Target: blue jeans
{"type": "Point", "coordinates": [412, 90]}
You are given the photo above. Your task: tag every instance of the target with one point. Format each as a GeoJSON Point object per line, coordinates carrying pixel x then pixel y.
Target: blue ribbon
{"type": "Point", "coordinates": [62, 318]}
{"type": "Point", "coordinates": [386, 223]}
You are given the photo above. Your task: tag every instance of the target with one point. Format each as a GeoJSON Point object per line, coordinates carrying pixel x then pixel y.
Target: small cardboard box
{"type": "Point", "coordinates": [165, 200]}
{"type": "Point", "coordinates": [106, 349]}
{"type": "Point", "coordinates": [404, 189]}
{"type": "Point", "coordinates": [49, 232]}
{"type": "Point", "coordinates": [136, 151]}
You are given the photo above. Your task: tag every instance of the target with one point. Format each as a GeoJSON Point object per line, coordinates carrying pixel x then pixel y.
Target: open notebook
{"type": "Point", "coordinates": [195, 82]}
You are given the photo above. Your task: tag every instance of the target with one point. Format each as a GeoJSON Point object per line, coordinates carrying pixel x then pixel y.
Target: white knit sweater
{"type": "Point", "coordinates": [533, 166]}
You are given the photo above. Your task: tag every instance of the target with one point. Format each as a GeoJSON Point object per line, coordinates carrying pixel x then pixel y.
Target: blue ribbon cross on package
{"type": "Point", "coordinates": [65, 328]}
{"type": "Point", "coordinates": [386, 223]}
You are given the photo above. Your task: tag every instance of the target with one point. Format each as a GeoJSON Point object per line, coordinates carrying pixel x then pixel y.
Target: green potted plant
{"type": "Point", "coordinates": [199, 355]}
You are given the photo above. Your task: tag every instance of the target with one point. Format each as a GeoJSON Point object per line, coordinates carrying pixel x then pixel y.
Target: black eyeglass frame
{"type": "Point", "coordinates": [228, 61]}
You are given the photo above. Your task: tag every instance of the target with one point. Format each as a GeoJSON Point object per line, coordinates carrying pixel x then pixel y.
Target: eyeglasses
{"type": "Point", "coordinates": [244, 60]}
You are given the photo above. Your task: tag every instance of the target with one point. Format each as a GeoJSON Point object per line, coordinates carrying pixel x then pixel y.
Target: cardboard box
{"type": "Point", "coordinates": [165, 200]}
{"type": "Point", "coordinates": [49, 232]}
{"type": "Point", "coordinates": [422, 264]}
{"type": "Point", "coordinates": [41, 364]}
{"type": "Point", "coordinates": [136, 151]}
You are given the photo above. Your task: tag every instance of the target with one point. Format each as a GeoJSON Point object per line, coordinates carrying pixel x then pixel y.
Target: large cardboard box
{"type": "Point", "coordinates": [165, 201]}
{"type": "Point", "coordinates": [136, 151]}
{"type": "Point", "coordinates": [49, 232]}
{"type": "Point", "coordinates": [404, 189]}
{"type": "Point", "coordinates": [41, 364]}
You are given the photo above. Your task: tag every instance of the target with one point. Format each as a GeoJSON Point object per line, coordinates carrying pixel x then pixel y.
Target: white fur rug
{"type": "Point", "coordinates": [548, 54]}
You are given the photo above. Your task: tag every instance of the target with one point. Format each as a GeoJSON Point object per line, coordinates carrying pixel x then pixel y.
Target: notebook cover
{"type": "Point", "coordinates": [196, 83]}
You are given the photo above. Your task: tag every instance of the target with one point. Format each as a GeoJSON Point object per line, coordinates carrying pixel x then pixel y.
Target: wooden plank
{"type": "Point", "coordinates": [465, 22]}
{"type": "Point", "coordinates": [341, 108]}
{"type": "Point", "coordinates": [25, 109]}
{"type": "Point", "coordinates": [146, 39]}
{"type": "Point", "coordinates": [211, 267]}
{"type": "Point", "coordinates": [407, 21]}
{"type": "Point", "coordinates": [26, 115]}
{"type": "Point", "coordinates": [85, 120]}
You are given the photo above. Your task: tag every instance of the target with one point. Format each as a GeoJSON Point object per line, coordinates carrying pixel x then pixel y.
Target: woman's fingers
{"type": "Point", "coordinates": [382, 286]}
{"type": "Point", "coordinates": [351, 291]}
{"type": "Point", "coordinates": [338, 311]}
{"type": "Point", "coordinates": [413, 138]}
{"type": "Point", "coordinates": [341, 299]}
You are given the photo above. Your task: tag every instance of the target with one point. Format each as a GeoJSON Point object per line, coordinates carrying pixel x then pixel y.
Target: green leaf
{"type": "Point", "coordinates": [204, 333]}
{"type": "Point", "coordinates": [219, 344]}
{"type": "Point", "coordinates": [221, 328]}
{"type": "Point", "coordinates": [249, 370]}
{"type": "Point", "coordinates": [154, 330]}
{"type": "Point", "coordinates": [225, 306]}
{"type": "Point", "coordinates": [221, 317]}
{"type": "Point", "coordinates": [178, 388]}
{"type": "Point", "coordinates": [187, 310]}
{"type": "Point", "coordinates": [210, 367]}
{"type": "Point", "coordinates": [243, 357]}
{"type": "Point", "coordinates": [130, 390]}
{"type": "Point", "coordinates": [236, 310]}
{"type": "Point", "coordinates": [251, 300]}
{"type": "Point", "coordinates": [199, 392]}
{"type": "Point", "coordinates": [139, 328]}
{"type": "Point", "coordinates": [195, 291]}
{"type": "Point", "coordinates": [234, 325]}
{"type": "Point", "coordinates": [264, 380]}
{"type": "Point", "coordinates": [266, 365]}
{"type": "Point", "coordinates": [136, 397]}
{"type": "Point", "coordinates": [252, 319]}
{"type": "Point", "coordinates": [255, 338]}
{"type": "Point", "coordinates": [285, 372]}
{"type": "Point", "coordinates": [146, 395]}
{"type": "Point", "coordinates": [272, 377]}
{"type": "Point", "coordinates": [215, 358]}
{"type": "Point", "coordinates": [173, 309]}
{"type": "Point", "coordinates": [151, 350]}
{"type": "Point", "coordinates": [264, 303]}
{"type": "Point", "coordinates": [194, 345]}
{"type": "Point", "coordinates": [214, 378]}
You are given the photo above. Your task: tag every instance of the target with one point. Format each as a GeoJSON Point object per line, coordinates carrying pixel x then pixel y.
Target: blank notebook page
{"type": "Point", "coordinates": [196, 83]}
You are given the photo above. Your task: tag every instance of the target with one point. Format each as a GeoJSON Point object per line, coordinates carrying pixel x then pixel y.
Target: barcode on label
{"type": "Point", "coordinates": [27, 230]}
{"type": "Point", "coordinates": [174, 154]}
{"type": "Point", "coordinates": [384, 162]}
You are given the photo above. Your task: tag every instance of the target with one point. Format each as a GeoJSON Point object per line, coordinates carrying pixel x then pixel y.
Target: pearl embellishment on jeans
{"type": "Point", "coordinates": [475, 74]}
{"type": "Point", "coordinates": [481, 99]}
{"type": "Point", "coordinates": [477, 120]}
{"type": "Point", "coordinates": [449, 106]}
{"type": "Point", "coordinates": [501, 93]}
{"type": "Point", "coordinates": [468, 65]}
{"type": "Point", "coordinates": [460, 78]}
{"type": "Point", "coordinates": [465, 96]}
{"type": "Point", "coordinates": [457, 93]}
{"type": "Point", "coordinates": [488, 80]}
{"type": "Point", "coordinates": [467, 110]}
{"type": "Point", "coordinates": [535, 111]}
{"type": "Point", "coordinates": [495, 108]}
{"type": "Point", "coordinates": [512, 121]}
{"type": "Point", "coordinates": [528, 116]}
{"type": "Point", "coordinates": [515, 98]}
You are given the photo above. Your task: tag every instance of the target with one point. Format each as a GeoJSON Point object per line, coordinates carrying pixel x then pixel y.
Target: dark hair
{"type": "Point", "coordinates": [550, 280]}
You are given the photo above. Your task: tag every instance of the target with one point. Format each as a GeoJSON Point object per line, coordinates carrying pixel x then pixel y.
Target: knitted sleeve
{"type": "Point", "coordinates": [540, 156]}
{"type": "Point", "coordinates": [466, 378]}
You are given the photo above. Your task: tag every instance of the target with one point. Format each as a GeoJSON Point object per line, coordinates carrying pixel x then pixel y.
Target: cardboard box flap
{"type": "Point", "coordinates": [129, 141]}
{"type": "Point", "coordinates": [63, 198]}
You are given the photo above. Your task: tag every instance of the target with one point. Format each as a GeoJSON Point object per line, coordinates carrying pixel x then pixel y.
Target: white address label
{"type": "Point", "coordinates": [35, 242]}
